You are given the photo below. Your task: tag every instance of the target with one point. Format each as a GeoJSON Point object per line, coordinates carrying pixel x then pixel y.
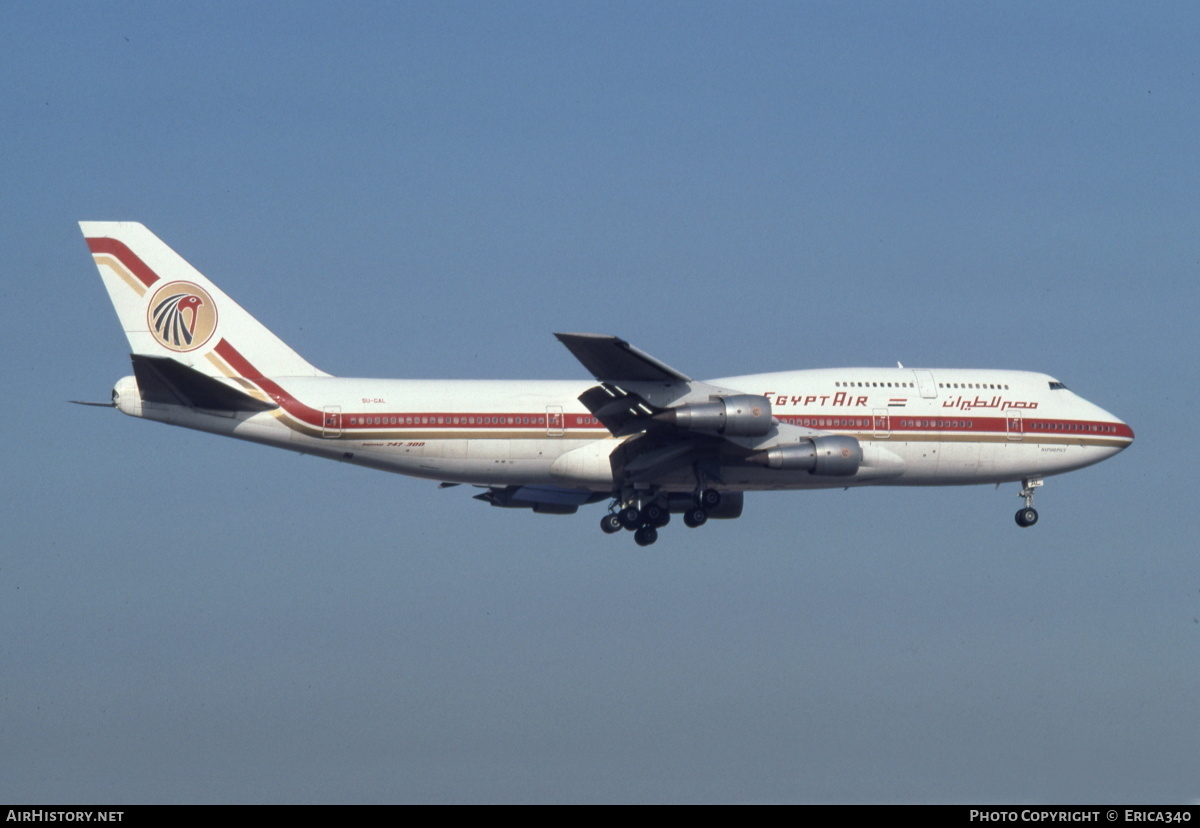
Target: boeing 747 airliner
{"type": "Point", "coordinates": [643, 436]}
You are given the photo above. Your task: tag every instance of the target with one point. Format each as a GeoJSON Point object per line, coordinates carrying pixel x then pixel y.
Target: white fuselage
{"type": "Point", "coordinates": [643, 433]}
{"type": "Point", "coordinates": [917, 427]}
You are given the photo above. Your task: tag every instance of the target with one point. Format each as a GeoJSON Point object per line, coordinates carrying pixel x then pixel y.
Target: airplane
{"type": "Point", "coordinates": [647, 438]}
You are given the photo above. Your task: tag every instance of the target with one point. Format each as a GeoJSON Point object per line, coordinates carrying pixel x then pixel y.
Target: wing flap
{"type": "Point", "coordinates": [618, 410]}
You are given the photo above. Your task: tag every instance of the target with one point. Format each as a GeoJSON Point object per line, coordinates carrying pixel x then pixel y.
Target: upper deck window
{"type": "Point", "coordinates": [1057, 386]}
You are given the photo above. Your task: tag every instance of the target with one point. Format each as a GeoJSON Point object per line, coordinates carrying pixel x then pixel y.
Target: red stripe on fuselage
{"type": "Point", "coordinates": [469, 421]}
{"type": "Point", "coordinates": [355, 421]}
{"type": "Point", "coordinates": [125, 256]}
{"type": "Point", "coordinates": [897, 427]}
{"type": "Point", "coordinates": [275, 391]}
{"type": "Point", "coordinates": [909, 423]}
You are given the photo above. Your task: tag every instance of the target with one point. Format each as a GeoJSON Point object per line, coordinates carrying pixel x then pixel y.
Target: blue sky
{"type": "Point", "coordinates": [431, 190]}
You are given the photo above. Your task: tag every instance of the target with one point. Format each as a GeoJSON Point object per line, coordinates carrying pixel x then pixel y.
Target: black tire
{"type": "Point", "coordinates": [1027, 517]}
{"type": "Point", "coordinates": [695, 517]}
{"type": "Point", "coordinates": [709, 499]}
{"type": "Point", "coordinates": [630, 518]}
{"type": "Point", "coordinates": [646, 536]}
{"type": "Point", "coordinates": [654, 514]}
{"type": "Point", "coordinates": [611, 523]}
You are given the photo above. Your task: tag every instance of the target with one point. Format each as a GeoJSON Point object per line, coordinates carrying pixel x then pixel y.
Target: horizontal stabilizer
{"type": "Point", "coordinates": [167, 382]}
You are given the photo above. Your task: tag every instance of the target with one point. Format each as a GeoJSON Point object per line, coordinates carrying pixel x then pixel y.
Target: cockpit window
{"type": "Point", "coordinates": [1057, 386]}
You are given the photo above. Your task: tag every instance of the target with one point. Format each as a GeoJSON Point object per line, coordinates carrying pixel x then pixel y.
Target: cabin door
{"type": "Point", "coordinates": [554, 421]}
{"type": "Point", "coordinates": [331, 426]}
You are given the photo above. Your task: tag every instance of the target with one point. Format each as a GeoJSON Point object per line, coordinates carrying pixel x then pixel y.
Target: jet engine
{"type": "Point", "coordinates": [832, 455]}
{"type": "Point", "coordinates": [738, 415]}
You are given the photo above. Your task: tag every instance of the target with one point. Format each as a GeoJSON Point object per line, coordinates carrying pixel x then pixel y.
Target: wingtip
{"type": "Point", "coordinates": [594, 337]}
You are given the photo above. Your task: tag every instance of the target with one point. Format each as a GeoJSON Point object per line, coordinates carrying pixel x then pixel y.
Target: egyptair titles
{"type": "Point", "coordinates": [843, 400]}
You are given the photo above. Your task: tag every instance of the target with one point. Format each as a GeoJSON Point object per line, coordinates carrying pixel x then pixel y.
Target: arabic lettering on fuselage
{"type": "Point", "coordinates": [965, 404]}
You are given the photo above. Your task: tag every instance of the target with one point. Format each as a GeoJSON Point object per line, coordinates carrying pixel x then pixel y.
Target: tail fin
{"type": "Point", "coordinates": [169, 309]}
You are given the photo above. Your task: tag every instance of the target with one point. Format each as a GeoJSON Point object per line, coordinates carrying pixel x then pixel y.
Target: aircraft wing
{"type": "Point", "coordinates": [622, 401]}
{"type": "Point", "coordinates": [614, 360]}
{"type": "Point", "coordinates": [673, 420]}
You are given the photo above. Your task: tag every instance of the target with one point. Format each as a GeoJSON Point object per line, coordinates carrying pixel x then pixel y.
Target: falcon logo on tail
{"type": "Point", "coordinates": [182, 316]}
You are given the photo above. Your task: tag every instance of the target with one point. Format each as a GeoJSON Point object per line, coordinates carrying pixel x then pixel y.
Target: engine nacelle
{"type": "Point", "coordinates": [738, 415]}
{"type": "Point", "coordinates": [832, 455]}
{"type": "Point", "coordinates": [795, 457]}
{"type": "Point", "coordinates": [837, 455]}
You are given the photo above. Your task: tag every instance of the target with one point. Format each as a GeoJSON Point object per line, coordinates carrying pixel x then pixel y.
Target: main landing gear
{"type": "Point", "coordinates": [1028, 515]}
{"type": "Point", "coordinates": [705, 500]}
{"type": "Point", "coordinates": [644, 514]}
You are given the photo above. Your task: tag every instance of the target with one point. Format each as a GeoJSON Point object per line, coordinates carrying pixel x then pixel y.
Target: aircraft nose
{"type": "Point", "coordinates": [1124, 432]}
{"type": "Point", "coordinates": [1116, 427]}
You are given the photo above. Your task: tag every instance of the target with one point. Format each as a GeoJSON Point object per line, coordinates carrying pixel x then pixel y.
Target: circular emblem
{"type": "Point", "coordinates": [182, 316]}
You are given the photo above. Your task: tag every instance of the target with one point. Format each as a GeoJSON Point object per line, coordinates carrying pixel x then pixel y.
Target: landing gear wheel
{"type": "Point", "coordinates": [1027, 517]}
{"type": "Point", "coordinates": [694, 517]}
{"type": "Point", "coordinates": [630, 517]}
{"type": "Point", "coordinates": [646, 536]}
{"type": "Point", "coordinates": [655, 515]}
{"type": "Point", "coordinates": [709, 499]}
{"type": "Point", "coordinates": [611, 523]}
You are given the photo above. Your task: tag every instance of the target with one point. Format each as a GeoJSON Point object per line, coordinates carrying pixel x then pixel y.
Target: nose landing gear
{"type": "Point", "coordinates": [1028, 515]}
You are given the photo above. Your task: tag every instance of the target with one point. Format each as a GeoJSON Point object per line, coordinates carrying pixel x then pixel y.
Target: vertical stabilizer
{"type": "Point", "coordinates": [169, 309]}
